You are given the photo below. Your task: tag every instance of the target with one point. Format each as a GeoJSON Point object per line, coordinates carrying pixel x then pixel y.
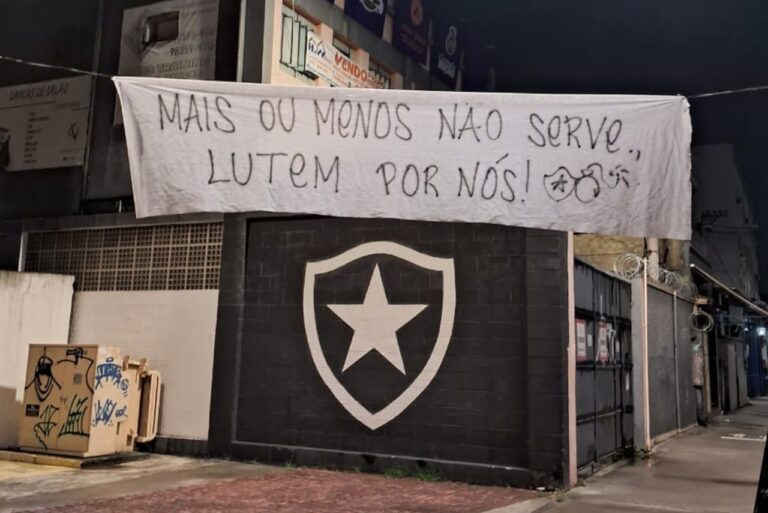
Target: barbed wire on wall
{"type": "Point", "coordinates": [630, 266]}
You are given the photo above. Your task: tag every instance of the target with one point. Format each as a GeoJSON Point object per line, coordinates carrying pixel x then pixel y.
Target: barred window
{"type": "Point", "coordinates": [293, 40]}
{"type": "Point", "coordinates": [162, 257]}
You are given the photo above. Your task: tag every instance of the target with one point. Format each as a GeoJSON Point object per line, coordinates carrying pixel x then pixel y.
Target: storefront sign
{"type": "Point", "coordinates": [411, 30]}
{"type": "Point", "coordinates": [174, 39]}
{"type": "Point", "coordinates": [446, 54]}
{"type": "Point", "coordinates": [326, 62]}
{"type": "Point", "coordinates": [44, 125]}
{"type": "Point", "coordinates": [603, 330]}
{"type": "Point", "coordinates": [368, 13]}
{"type": "Point", "coordinates": [581, 340]}
{"type": "Point", "coordinates": [598, 164]}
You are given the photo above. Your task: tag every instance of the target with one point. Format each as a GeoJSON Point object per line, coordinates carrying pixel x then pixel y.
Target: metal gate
{"type": "Point", "coordinates": [603, 366]}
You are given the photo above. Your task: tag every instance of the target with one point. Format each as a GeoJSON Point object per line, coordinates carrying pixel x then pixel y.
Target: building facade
{"type": "Point", "coordinates": [483, 387]}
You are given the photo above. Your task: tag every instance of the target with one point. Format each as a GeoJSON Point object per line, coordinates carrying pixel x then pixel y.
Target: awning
{"type": "Point", "coordinates": [749, 304]}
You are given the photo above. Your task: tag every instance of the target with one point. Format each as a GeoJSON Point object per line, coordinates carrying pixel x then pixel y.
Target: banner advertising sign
{"type": "Point", "coordinates": [326, 62]}
{"type": "Point", "coordinates": [174, 39]}
{"type": "Point", "coordinates": [446, 54]}
{"type": "Point", "coordinates": [601, 164]}
{"type": "Point", "coordinates": [368, 13]}
{"type": "Point", "coordinates": [44, 125]}
{"type": "Point", "coordinates": [411, 31]}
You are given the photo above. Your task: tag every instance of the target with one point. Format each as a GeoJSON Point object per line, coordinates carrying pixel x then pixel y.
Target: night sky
{"type": "Point", "coordinates": [558, 46]}
{"type": "Point", "coordinates": [634, 46]}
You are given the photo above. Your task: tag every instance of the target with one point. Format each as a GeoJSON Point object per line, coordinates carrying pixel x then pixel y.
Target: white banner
{"type": "Point", "coordinates": [600, 164]}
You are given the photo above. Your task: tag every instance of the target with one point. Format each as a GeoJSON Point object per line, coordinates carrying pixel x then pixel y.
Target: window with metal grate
{"type": "Point", "coordinates": [163, 257]}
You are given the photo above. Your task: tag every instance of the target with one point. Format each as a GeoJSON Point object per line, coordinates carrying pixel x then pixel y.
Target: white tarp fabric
{"type": "Point", "coordinates": [615, 165]}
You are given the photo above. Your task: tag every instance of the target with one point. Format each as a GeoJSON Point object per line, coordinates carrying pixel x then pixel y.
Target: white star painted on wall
{"type": "Point", "coordinates": [375, 323]}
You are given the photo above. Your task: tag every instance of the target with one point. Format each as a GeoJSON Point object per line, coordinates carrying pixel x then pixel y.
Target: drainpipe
{"type": "Point", "coordinates": [677, 383]}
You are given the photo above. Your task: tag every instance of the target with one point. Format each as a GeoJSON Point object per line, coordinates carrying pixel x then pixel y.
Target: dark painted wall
{"type": "Point", "coordinates": [83, 34]}
{"type": "Point", "coordinates": [109, 176]}
{"type": "Point", "coordinates": [603, 399]}
{"type": "Point", "coordinates": [496, 410]}
{"type": "Point", "coordinates": [60, 33]}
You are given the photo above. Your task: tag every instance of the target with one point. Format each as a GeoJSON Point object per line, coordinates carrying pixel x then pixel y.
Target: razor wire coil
{"type": "Point", "coordinates": [630, 266]}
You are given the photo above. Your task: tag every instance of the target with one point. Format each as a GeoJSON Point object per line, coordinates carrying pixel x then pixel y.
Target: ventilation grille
{"type": "Point", "coordinates": [164, 257]}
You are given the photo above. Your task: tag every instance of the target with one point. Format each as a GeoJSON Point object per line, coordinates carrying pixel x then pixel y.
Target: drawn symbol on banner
{"type": "Point", "coordinates": [74, 131]}
{"type": "Point", "coordinates": [615, 176]}
{"type": "Point", "coordinates": [559, 185]}
{"type": "Point", "coordinates": [451, 41]}
{"type": "Point", "coordinates": [375, 6]}
{"type": "Point", "coordinates": [587, 187]}
{"type": "Point", "coordinates": [417, 12]}
{"type": "Point", "coordinates": [375, 323]}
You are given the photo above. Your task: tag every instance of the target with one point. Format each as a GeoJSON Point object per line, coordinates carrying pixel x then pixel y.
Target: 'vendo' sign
{"type": "Point", "coordinates": [600, 164]}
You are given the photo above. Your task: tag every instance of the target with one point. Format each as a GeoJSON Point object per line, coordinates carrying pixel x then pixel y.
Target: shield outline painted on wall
{"type": "Point", "coordinates": [443, 265]}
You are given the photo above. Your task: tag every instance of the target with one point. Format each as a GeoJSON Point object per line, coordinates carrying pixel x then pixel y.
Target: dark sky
{"type": "Point", "coordinates": [634, 46]}
{"type": "Point", "coordinates": [565, 46]}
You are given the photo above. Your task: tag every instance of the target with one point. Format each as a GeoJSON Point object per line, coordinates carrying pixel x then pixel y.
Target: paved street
{"type": "Point", "coordinates": [168, 484]}
{"type": "Point", "coordinates": [713, 470]}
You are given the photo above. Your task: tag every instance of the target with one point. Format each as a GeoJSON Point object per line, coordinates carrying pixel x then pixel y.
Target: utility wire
{"type": "Point", "coordinates": [54, 66]}
{"type": "Point", "coordinates": [105, 75]}
{"type": "Point", "coordinates": [730, 91]}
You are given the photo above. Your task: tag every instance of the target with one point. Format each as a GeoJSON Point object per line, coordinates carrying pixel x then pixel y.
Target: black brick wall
{"type": "Point", "coordinates": [496, 409]}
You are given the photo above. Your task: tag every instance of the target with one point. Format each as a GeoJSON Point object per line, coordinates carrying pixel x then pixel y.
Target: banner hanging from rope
{"type": "Point", "coordinates": [617, 165]}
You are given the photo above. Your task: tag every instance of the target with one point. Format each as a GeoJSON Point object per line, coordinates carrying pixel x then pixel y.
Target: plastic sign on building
{"type": "Point", "coordinates": [411, 31]}
{"type": "Point", "coordinates": [446, 54]}
{"type": "Point", "coordinates": [174, 39]}
{"type": "Point", "coordinates": [371, 14]}
{"type": "Point", "coordinates": [328, 63]}
{"type": "Point", "coordinates": [44, 125]}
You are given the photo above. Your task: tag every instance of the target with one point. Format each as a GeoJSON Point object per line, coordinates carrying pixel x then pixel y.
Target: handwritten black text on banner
{"type": "Point", "coordinates": [600, 164]}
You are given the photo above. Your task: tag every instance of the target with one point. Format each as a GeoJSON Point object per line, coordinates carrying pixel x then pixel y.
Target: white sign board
{"type": "Point", "coordinates": [600, 164]}
{"type": "Point", "coordinates": [174, 39]}
{"type": "Point", "coordinates": [328, 63]}
{"type": "Point", "coordinates": [44, 125]}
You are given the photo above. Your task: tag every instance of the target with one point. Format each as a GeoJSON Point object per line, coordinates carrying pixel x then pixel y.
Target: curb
{"type": "Point", "coordinates": [68, 462]}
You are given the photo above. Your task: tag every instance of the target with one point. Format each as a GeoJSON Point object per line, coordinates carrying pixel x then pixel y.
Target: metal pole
{"type": "Point", "coordinates": [646, 399]}
{"type": "Point", "coordinates": [677, 383]}
{"type": "Point", "coordinates": [704, 337]}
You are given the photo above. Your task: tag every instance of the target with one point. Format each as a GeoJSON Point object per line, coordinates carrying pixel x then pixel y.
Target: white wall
{"type": "Point", "coordinates": [34, 309]}
{"type": "Point", "coordinates": [174, 330]}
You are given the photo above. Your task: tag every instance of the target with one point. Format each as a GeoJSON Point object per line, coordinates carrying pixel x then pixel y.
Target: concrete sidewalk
{"type": "Point", "coordinates": [710, 470]}
{"type": "Point", "coordinates": [713, 470]}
